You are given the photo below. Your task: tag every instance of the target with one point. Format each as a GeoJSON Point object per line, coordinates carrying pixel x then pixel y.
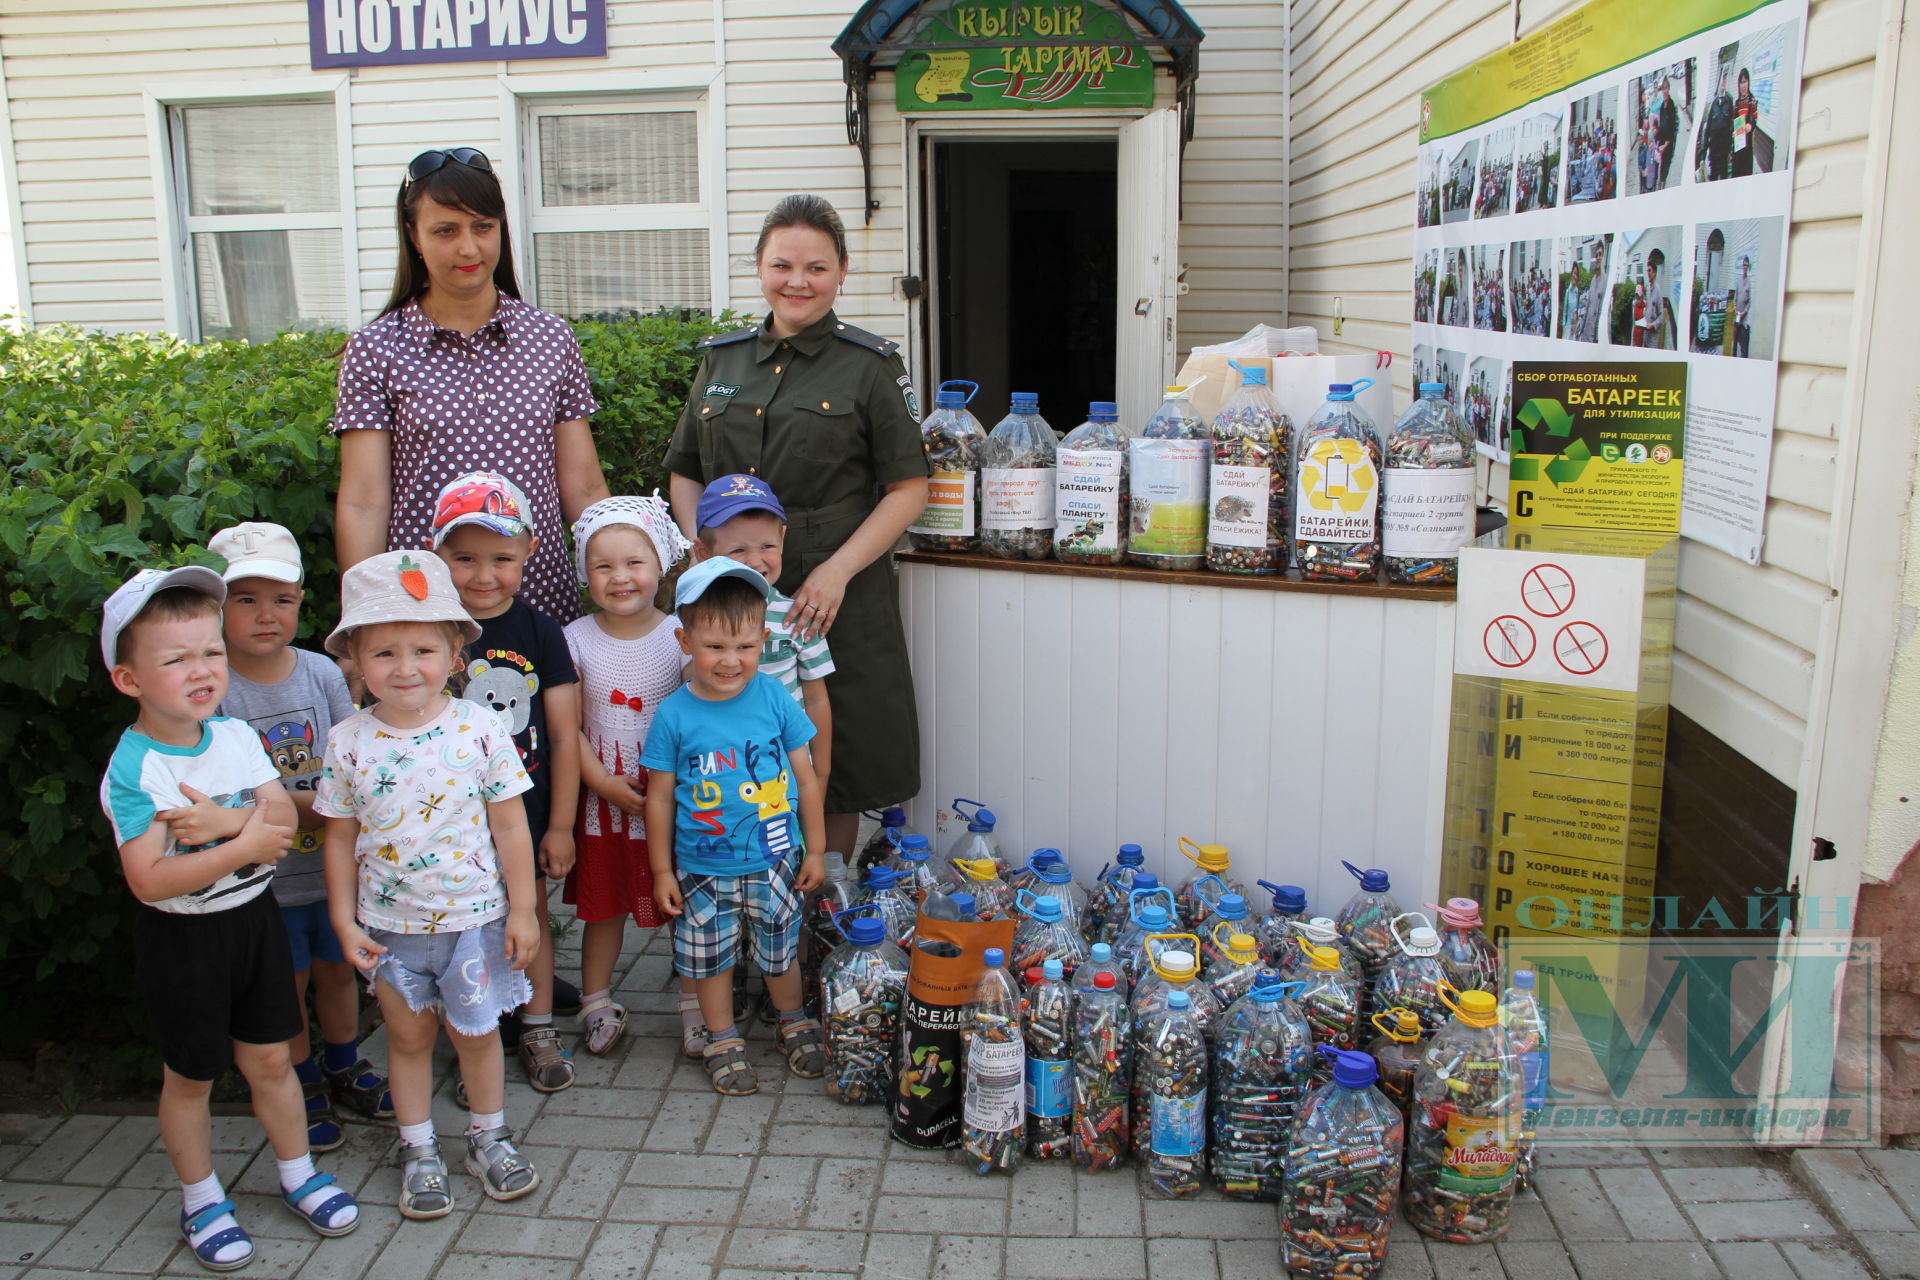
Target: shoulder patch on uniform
{"type": "Point", "coordinates": [721, 339]}
{"type": "Point", "coordinates": [905, 383]}
{"type": "Point", "coordinates": [871, 341]}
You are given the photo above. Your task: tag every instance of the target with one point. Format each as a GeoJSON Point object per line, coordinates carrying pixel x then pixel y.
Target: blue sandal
{"type": "Point", "coordinates": [207, 1251]}
{"type": "Point", "coordinates": [322, 1217]}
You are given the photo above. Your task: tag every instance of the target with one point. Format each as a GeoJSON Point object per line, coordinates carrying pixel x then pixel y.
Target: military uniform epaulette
{"type": "Point", "coordinates": [871, 341]}
{"type": "Point", "coordinates": [721, 339]}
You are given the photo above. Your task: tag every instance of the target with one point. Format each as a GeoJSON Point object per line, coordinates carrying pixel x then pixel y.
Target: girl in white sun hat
{"type": "Point", "coordinates": [430, 865]}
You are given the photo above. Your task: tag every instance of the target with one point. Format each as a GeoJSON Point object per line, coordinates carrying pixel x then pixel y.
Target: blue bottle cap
{"type": "Point", "coordinates": [1372, 880]}
{"type": "Point", "coordinates": [1100, 953]}
{"type": "Point", "coordinates": [1153, 916]}
{"type": "Point", "coordinates": [1231, 907]}
{"type": "Point", "coordinates": [1433, 388]}
{"type": "Point", "coordinates": [1523, 979]}
{"type": "Point", "coordinates": [1268, 980]}
{"type": "Point", "coordinates": [1352, 1070]}
{"type": "Point", "coordinates": [1179, 1000]}
{"type": "Point", "coordinates": [1288, 899]}
{"type": "Point", "coordinates": [1103, 411]}
{"type": "Point", "coordinates": [983, 820]}
{"type": "Point", "coordinates": [1055, 872]}
{"type": "Point", "coordinates": [1045, 910]}
{"type": "Point", "coordinates": [964, 901]}
{"type": "Point", "coordinates": [881, 876]}
{"type": "Point", "coordinates": [1340, 391]}
{"type": "Point", "coordinates": [1146, 880]}
{"type": "Point", "coordinates": [1252, 375]}
{"type": "Point", "coordinates": [1043, 857]}
{"type": "Point", "coordinates": [994, 958]}
{"type": "Point", "coordinates": [893, 816]}
{"type": "Point", "coordinates": [915, 847]}
{"type": "Point", "coordinates": [1026, 402]}
{"type": "Point", "coordinates": [867, 931]}
{"type": "Point", "coordinates": [1132, 855]}
{"type": "Point", "coordinates": [1052, 970]}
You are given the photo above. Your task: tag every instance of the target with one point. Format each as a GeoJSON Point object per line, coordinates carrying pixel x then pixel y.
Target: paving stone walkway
{"type": "Point", "coordinates": [646, 1172]}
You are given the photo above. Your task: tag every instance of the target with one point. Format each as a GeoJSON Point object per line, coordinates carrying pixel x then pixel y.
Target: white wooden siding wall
{"type": "Point", "coordinates": [1296, 729]}
{"type": "Point", "coordinates": [1745, 634]}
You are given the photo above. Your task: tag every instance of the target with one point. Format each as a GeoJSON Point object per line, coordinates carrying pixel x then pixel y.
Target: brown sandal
{"type": "Point", "coordinates": [549, 1070]}
{"type": "Point", "coordinates": [728, 1068]}
{"type": "Point", "coordinates": [805, 1044]}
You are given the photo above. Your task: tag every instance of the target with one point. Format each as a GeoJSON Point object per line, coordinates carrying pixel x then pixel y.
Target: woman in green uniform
{"type": "Point", "coordinates": [825, 413]}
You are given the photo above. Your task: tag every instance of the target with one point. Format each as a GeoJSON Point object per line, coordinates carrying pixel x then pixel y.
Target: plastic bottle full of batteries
{"type": "Point", "coordinates": [953, 439]}
{"type": "Point", "coordinates": [1100, 959]}
{"type": "Point", "coordinates": [1328, 997]}
{"type": "Point", "coordinates": [1049, 1017]}
{"type": "Point", "coordinates": [1426, 491]}
{"type": "Point", "coordinates": [1343, 1177]}
{"type": "Point", "coordinates": [1319, 932]}
{"type": "Point", "coordinates": [992, 899]}
{"type": "Point", "coordinates": [1016, 483]}
{"type": "Point", "coordinates": [978, 841]}
{"type": "Point", "coordinates": [1526, 1024]}
{"type": "Point", "coordinates": [1047, 875]}
{"type": "Point", "coordinates": [884, 844]}
{"type": "Point", "coordinates": [1044, 933]}
{"type": "Point", "coordinates": [1336, 526]}
{"type": "Point", "coordinates": [1469, 1097]}
{"type": "Point", "coordinates": [1396, 1052]}
{"type": "Point", "coordinates": [835, 893]}
{"type": "Point", "coordinates": [913, 863]}
{"type": "Point", "coordinates": [1212, 875]}
{"type": "Point", "coordinates": [1232, 964]}
{"type": "Point", "coordinates": [882, 889]}
{"type": "Point", "coordinates": [993, 1117]}
{"type": "Point", "coordinates": [1250, 481]}
{"type": "Point", "coordinates": [1415, 978]}
{"type": "Point", "coordinates": [1229, 909]}
{"type": "Point", "coordinates": [1274, 929]}
{"type": "Point", "coordinates": [1107, 906]}
{"type": "Point", "coordinates": [1262, 1066]}
{"type": "Point", "coordinates": [1366, 921]}
{"type": "Point", "coordinates": [1471, 959]}
{"type": "Point", "coordinates": [1167, 514]}
{"type": "Point", "coordinates": [861, 986]}
{"type": "Point", "coordinates": [1090, 493]}
{"type": "Point", "coordinates": [1171, 1059]}
{"type": "Point", "coordinates": [1102, 1072]}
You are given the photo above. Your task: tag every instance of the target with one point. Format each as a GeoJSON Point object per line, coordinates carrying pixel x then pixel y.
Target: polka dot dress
{"type": "Point", "coordinates": [456, 403]}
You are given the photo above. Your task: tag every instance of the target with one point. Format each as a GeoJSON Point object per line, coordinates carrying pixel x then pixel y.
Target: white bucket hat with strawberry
{"type": "Point", "coordinates": [398, 586]}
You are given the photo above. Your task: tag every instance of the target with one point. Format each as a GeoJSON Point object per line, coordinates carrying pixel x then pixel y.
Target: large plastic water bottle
{"type": "Point", "coordinates": [1172, 1059]}
{"type": "Point", "coordinates": [881, 848]}
{"type": "Point", "coordinates": [1102, 1072]}
{"type": "Point", "coordinates": [1090, 494]}
{"type": "Point", "coordinates": [882, 889]}
{"type": "Point", "coordinates": [1426, 491]}
{"type": "Point", "coordinates": [913, 864]}
{"type": "Point", "coordinates": [992, 899]}
{"type": "Point", "coordinates": [1229, 909]}
{"type": "Point", "coordinates": [976, 842]}
{"type": "Point", "coordinates": [1262, 1066]}
{"type": "Point", "coordinates": [1044, 933]}
{"type": "Point", "coordinates": [1343, 1177]}
{"type": "Point", "coordinates": [1468, 1116]}
{"type": "Point", "coordinates": [1396, 1052]}
{"type": "Point", "coordinates": [1329, 999]}
{"type": "Point", "coordinates": [1232, 964]}
{"type": "Point", "coordinates": [1051, 877]}
{"type": "Point", "coordinates": [1472, 961]}
{"type": "Point", "coordinates": [1366, 921]}
{"type": "Point", "coordinates": [1526, 1024]}
{"type": "Point", "coordinates": [1021, 876]}
{"type": "Point", "coordinates": [1107, 907]}
{"type": "Point", "coordinates": [953, 439]}
{"type": "Point", "coordinates": [1274, 929]}
{"type": "Point", "coordinates": [1017, 482]}
{"type": "Point", "coordinates": [1414, 979]}
{"type": "Point", "coordinates": [1173, 971]}
{"type": "Point", "coordinates": [1212, 876]}
{"type": "Point", "coordinates": [993, 1117]}
{"type": "Point", "coordinates": [944, 904]}
{"type": "Point", "coordinates": [1251, 478]}
{"type": "Point", "coordinates": [1100, 959]}
{"type": "Point", "coordinates": [1150, 919]}
{"type": "Point", "coordinates": [1336, 527]}
{"type": "Point", "coordinates": [1049, 1065]}
{"type": "Point", "coordinates": [862, 984]}
{"type": "Point", "coordinates": [1167, 519]}
{"type": "Point", "coordinates": [835, 893]}
{"type": "Point", "coordinates": [1319, 932]}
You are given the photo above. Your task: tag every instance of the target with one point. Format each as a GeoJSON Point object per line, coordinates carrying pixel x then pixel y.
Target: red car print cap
{"type": "Point", "coordinates": [485, 498]}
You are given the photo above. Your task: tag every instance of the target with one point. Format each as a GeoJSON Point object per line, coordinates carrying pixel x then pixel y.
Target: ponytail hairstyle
{"type": "Point", "coordinates": [802, 211]}
{"type": "Point", "coordinates": [458, 186]}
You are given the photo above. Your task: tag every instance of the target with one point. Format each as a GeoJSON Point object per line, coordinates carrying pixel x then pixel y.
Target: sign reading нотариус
{"type": "Point", "coordinates": [374, 33]}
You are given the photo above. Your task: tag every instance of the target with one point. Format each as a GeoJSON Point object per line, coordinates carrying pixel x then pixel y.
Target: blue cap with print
{"type": "Point", "coordinates": [731, 495]}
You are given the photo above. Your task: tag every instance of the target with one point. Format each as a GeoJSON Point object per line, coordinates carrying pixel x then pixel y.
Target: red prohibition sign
{"type": "Point", "coordinates": [1580, 648]}
{"type": "Point", "coordinates": [1509, 641]}
{"type": "Point", "coordinates": [1547, 590]}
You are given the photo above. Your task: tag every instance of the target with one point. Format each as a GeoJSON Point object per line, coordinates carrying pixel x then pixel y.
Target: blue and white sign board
{"type": "Point", "coordinates": [384, 33]}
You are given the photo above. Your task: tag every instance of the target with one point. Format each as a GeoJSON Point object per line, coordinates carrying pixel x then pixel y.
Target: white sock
{"type": "Point", "coordinates": [480, 1122]}
{"type": "Point", "coordinates": [294, 1174]}
{"type": "Point", "coordinates": [536, 1019]}
{"type": "Point", "coordinates": [196, 1196]}
{"type": "Point", "coordinates": [417, 1135]}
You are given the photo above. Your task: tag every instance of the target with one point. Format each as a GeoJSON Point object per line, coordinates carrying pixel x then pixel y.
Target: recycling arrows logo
{"type": "Point", "coordinates": [1548, 418]}
{"type": "Point", "coordinates": [1337, 474]}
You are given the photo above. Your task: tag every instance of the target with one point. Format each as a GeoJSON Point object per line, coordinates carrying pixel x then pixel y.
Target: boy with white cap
{"type": "Point", "coordinates": [213, 967]}
{"type": "Point", "coordinates": [292, 698]}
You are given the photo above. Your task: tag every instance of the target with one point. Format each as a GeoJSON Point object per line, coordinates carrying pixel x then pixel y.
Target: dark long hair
{"type": "Point", "coordinates": [458, 186]}
{"type": "Point", "coordinates": [803, 211]}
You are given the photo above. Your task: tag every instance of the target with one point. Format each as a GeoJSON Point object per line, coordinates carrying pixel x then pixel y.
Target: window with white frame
{"type": "Point", "coordinates": [258, 185]}
{"type": "Point", "coordinates": [617, 204]}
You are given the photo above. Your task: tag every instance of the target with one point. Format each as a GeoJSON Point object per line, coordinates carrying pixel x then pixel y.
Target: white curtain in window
{"type": "Point", "coordinates": [255, 284]}
{"type": "Point", "coordinates": [273, 157]}
{"type": "Point", "coordinates": [639, 157]}
{"type": "Point", "coordinates": [587, 271]}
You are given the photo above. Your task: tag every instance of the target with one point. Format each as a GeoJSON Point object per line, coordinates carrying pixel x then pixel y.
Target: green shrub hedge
{"type": "Point", "coordinates": [127, 451]}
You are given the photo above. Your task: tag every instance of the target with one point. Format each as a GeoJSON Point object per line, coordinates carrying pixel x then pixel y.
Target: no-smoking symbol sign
{"type": "Point", "coordinates": [1580, 648]}
{"type": "Point", "coordinates": [1547, 590]}
{"type": "Point", "coordinates": [1557, 616]}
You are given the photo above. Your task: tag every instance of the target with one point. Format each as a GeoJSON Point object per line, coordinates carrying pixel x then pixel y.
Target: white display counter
{"type": "Point", "coordinates": [1298, 724]}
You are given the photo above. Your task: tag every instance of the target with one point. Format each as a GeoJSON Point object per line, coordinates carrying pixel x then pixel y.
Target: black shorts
{"type": "Point", "coordinates": [208, 980]}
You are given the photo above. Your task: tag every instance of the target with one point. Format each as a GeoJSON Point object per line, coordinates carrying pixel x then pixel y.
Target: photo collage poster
{"type": "Point", "coordinates": [1614, 187]}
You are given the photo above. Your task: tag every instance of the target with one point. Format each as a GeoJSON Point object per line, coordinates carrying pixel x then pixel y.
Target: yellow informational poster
{"type": "Point", "coordinates": [1598, 446]}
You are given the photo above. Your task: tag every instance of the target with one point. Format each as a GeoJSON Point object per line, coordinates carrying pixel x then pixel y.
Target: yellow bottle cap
{"type": "Point", "coordinates": [977, 868]}
{"type": "Point", "coordinates": [1478, 1008]}
{"type": "Point", "coordinates": [1208, 857]}
{"type": "Point", "coordinates": [1323, 958]}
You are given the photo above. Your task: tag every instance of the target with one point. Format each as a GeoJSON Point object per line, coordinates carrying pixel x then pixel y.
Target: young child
{"type": "Point", "coordinates": [738, 516]}
{"type": "Point", "coordinates": [628, 663]}
{"type": "Point", "coordinates": [520, 668]}
{"type": "Point", "coordinates": [725, 757]}
{"type": "Point", "coordinates": [201, 820]}
{"type": "Point", "coordinates": [430, 865]}
{"type": "Point", "coordinates": [292, 698]}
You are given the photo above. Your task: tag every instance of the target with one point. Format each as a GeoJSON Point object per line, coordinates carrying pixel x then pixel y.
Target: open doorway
{"type": "Point", "coordinates": [1025, 250]}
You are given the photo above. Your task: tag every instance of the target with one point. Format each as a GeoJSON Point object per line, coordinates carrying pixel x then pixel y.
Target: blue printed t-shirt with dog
{"type": "Point", "coordinates": [733, 791]}
{"type": "Point", "coordinates": [146, 776]}
{"type": "Point", "coordinates": [520, 657]}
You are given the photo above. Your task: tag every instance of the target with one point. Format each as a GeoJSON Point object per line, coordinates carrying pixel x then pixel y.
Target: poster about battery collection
{"type": "Point", "coordinates": [1616, 188]}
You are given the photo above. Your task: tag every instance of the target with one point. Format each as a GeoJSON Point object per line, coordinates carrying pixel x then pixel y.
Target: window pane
{"type": "Point", "coordinates": [255, 284]}
{"type": "Point", "coordinates": [273, 157]}
{"type": "Point", "coordinates": [641, 157]}
{"type": "Point", "coordinates": [585, 271]}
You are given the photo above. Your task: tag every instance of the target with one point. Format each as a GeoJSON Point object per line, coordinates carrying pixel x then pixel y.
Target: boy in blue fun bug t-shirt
{"type": "Point", "coordinates": [729, 773]}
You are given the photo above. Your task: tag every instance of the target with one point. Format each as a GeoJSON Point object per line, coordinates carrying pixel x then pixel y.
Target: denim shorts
{"type": "Point", "coordinates": [464, 975]}
{"type": "Point", "coordinates": [707, 936]}
{"type": "Point", "coordinates": [310, 934]}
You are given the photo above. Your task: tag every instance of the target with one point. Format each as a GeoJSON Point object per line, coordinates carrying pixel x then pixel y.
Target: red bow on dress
{"type": "Point", "coordinates": [620, 699]}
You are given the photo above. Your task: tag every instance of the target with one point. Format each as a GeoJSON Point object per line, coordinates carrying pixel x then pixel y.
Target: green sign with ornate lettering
{"type": "Point", "coordinates": [985, 55]}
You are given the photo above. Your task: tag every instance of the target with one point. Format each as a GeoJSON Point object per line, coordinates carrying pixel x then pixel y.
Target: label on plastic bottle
{"type": "Point", "coordinates": [1049, 1088]}
{"type": "Point", "coordinates": [1179, 1125]}
{"type": "Point", "coordinates": [949, 509]}
{"type": "Point", "coordinates": [994, 1088]}
{"type": "Point", "coordinates": [1237, 516]}
{"type": "Point", "coordinates": [1335, 498]}
{"type": "Point", "coordinates": [1087, 505]}
{"type": "Point", "coordinates": [1169, 516]}
{"type": "Point", "coordinates": [1480, 1154]}
{"type": "Point", "coordinates": [1016, 498]}
{"type": "Point", "coordinates": [1426, 513]}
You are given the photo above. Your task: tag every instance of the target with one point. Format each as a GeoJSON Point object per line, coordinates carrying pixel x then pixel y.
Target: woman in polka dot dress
{"type": "Point", "coordinates": [457, 374]}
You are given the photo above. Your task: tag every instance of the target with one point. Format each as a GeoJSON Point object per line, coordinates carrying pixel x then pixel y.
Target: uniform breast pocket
{"type": "Point", "coordinates": [826, 429]}
{"type": "Point", "coordinates": [710, 419]}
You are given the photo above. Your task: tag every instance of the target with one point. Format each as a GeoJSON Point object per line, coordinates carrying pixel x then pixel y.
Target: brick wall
{"type": "Point", "coordinates": [1888, 912]}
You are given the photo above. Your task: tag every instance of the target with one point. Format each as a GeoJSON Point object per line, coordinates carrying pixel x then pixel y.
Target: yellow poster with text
{"type": "Point", "coordinates": [1598, 446]}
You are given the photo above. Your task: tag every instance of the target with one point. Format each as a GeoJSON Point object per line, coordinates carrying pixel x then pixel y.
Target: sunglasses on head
{"type": "Point", "coordinates": [428, 162]}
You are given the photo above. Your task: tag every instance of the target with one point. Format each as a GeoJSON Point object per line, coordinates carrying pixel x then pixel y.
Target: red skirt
{"type": "Point", "coordinates": [611, 875]}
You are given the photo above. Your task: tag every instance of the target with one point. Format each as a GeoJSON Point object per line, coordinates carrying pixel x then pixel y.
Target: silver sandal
{"type": "Point", "coordinates": [423, 1182]}
{"type": "Point", "coordinates": [503, 1172]}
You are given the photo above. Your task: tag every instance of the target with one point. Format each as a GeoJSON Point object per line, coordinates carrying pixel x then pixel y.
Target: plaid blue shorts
{"type": "Point", "coordinates": [707, 936]}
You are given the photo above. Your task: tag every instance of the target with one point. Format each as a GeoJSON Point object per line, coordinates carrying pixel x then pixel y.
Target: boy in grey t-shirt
{"type": "Point", "coordinates": [292, 698]}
